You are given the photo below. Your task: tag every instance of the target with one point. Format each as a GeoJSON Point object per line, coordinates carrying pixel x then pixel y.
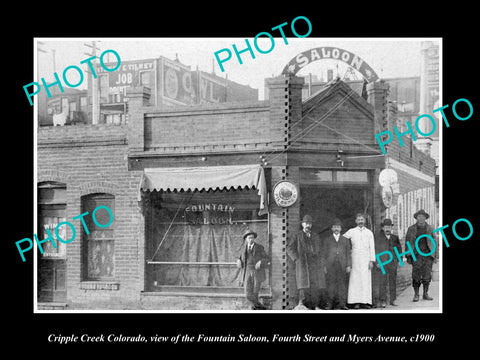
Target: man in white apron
{"type": "Point", "coordinates": [363, 259]}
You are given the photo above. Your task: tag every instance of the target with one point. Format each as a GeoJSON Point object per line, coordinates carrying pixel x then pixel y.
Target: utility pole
{"type": "Point", "coordinates": [95, 91]}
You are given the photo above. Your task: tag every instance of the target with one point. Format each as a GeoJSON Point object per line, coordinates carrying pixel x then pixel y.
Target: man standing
{"type": "Point", "coordinates": [422, 266]}
{"type": "Point", "coordinates": [338, 262]}
{"type": "Point", "coordinates": [386, 241]}
{"type": "Point", "coordinates": [363, 258]}
{"type": "Point", "coordinates": [304, 248]}
{"type": "Point", "coordinates": [253, 260]}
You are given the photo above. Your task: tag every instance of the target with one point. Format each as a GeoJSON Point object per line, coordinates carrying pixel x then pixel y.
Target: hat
{"type": "Point", "coordinates": [307, 218]}
{"type": "Point", "coordinates": [337, 222]}
{"type": "Point", "coordinates": [421, 212]}
{"type": "Point", "coordinates": [248, 232]}
{"type": "Point", "coordinates": [386, 222]}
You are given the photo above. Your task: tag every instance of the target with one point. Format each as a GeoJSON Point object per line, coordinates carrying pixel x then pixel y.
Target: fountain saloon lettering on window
{"type": "Point", "coordinates": [209, 214]}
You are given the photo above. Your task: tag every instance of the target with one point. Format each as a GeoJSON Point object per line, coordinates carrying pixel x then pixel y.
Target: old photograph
{"type": "Point", "coordinates": [278, 173]}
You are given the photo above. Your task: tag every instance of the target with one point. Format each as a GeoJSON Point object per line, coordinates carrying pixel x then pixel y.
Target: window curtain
{"type": "Point", "coordinates": [203, 243]}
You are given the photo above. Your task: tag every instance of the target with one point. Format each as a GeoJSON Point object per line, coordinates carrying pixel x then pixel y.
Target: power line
{"type": "Point", "coordinates": [303, 117]}
{"type": "Point", "coordinates": [317, 122]}
{"type": "Point", "coordinates": [350, 138]}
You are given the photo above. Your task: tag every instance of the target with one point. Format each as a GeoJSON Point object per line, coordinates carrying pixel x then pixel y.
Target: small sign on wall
{"type": "Point", "coordinates": [285, 193]}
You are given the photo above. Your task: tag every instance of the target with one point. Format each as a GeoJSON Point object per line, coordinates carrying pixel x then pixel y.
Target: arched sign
{"type": "Point", "coordinates": [334, 53]}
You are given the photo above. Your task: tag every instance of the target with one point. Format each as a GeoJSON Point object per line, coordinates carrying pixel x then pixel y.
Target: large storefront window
{"type": "Point", "coordinates": [194, 237]}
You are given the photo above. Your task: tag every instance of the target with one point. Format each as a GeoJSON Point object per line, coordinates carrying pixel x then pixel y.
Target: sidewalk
{"type": "Point", "coordinates": [404, 299]}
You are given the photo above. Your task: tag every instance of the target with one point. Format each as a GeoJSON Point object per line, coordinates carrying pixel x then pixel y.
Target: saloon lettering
{"type": "Point", "coordinates": [323, 53]}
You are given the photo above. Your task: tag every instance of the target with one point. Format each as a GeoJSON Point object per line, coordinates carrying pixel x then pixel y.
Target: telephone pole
{"type": "Point", "coordinates": [95, 91]}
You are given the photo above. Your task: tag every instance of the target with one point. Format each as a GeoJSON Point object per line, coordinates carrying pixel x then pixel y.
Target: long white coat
{"type": "Point", "coordinates": [363, 251]}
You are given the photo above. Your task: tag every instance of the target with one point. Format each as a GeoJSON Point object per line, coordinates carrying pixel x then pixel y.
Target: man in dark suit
{"type": "Point", "coordinates": [338, 263]}
{"type": "Point", "coordinates": [385, 240]}
{"type": "Point", "coordinates": [305, 249]}
{"type": "Point", "coordinates": [253, 260]}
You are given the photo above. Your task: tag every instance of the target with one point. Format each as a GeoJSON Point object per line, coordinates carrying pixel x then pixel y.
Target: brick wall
{"type": "Point", "coordinates": [216, 125]}
{"type": "Point", "coordinates": [92, 159]}
{"type": "Point", "coordinates": [416, 171]}
{"type": "Point", "coordinates": [336, 116]}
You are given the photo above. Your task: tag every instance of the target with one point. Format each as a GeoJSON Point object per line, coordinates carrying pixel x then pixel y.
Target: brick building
{"type": "Point", "coordinates": [185, 182]}
{"type": "Point", "coordinates": [170, 82]}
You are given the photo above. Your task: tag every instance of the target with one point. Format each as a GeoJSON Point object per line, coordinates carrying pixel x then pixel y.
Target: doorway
{"type": "Point", "coordinates": [51, 265]}
{"type": "Point", "coordinates": [328, 202]}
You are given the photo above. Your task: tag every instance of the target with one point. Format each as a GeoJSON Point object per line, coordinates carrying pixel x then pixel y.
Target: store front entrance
{"type": "Point", "coordinates": [327, 195]}
{"type": "Point", "coordinates": [51, 270]}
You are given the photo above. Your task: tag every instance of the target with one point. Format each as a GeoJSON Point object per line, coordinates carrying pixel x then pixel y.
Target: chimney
{"type": "Point", "coordinates": [285, 95]}
{"type": "Point", "coordinates": [377, 95]}
{"type": "Point", "coordinates": [138, 98]}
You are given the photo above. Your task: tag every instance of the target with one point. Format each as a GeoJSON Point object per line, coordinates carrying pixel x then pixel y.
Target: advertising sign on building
{"type": "Point", "coordinates": [113, 85]}
{"type": "Point", "coordinates": [433, 73]}
{"type": "Point", "coordinates": [186, 87]}
{"type": "Point", "coordinates": [177, 82]}
{"type": "Point", "coordinates": [209, 89]}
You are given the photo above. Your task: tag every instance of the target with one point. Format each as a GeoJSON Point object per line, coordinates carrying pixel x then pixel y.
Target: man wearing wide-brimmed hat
{"type": "Point", "coordinates": [253, 260]}
{"type": "Point", "coordinates": [422, 265]}
{"type": "Point", "coordinates": [385, 240]}
{"type": "Point", "coordinates": [305, 249]}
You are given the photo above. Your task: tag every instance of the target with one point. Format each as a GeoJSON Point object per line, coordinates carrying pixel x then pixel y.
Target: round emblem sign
{"type": "Point", "coordinates": [387, 196]}
{"type": "Point", "coordinates": [285, 193]}
{"type": "Point", "coordinates": [387, 177]}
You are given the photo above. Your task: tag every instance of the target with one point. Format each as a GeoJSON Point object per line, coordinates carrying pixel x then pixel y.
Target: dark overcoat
{"type": "Point", "coordinates": [411, 237]}
{"type": "Point", "coordinates": [383, 244]}
{"type": "Point", "coordinates": [309, 260]}
{"type": "Point", "coordinates": [259, 254]}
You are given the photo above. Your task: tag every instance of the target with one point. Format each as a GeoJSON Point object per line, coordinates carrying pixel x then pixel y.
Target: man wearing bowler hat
{"type": "Point", "coordinates": [385, 240]}
{"type": "Point", "coordinates": [253, 260]}
{"type": "Point", "coordinates": [338, 263]}
{"type": "Point", "coordinates": [422, 265]}
{"type": "Point", "coordinates": [305, 249]}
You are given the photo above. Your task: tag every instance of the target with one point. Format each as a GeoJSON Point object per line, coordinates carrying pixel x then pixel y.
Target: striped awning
{"type": "Point", "coordinates": [206, 178]}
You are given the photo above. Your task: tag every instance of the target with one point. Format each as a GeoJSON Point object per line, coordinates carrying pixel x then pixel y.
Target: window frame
{"type": "Point", "coordinates": [87, 239]}
{"type": "Point", "coordinates": [201, 289]}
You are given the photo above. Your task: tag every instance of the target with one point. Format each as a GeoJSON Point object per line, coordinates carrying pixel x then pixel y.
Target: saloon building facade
{"type": "Point", "coordinates": [184, 183]}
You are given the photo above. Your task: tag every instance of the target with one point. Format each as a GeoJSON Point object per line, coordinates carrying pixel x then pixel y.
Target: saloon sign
{"type": "Point", "coordinates": [334, 53]}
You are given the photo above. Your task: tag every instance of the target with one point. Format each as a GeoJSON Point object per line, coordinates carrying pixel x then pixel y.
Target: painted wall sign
{"type": "Point", "coordinates": [213, 214]}
{"type": "Point", "coordinates": [187, 87]}
{"type": "Point", "coordinates": [285, 193]}
{"type": "Point", "coordinates": [327, 52]}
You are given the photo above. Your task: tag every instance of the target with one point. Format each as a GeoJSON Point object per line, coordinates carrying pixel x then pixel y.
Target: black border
{"type": "Point", "coordinates": [204, 20]}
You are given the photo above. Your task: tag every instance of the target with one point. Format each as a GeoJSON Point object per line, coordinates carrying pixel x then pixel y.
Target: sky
{"type": "Point", "coordinates": [389, 57]}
